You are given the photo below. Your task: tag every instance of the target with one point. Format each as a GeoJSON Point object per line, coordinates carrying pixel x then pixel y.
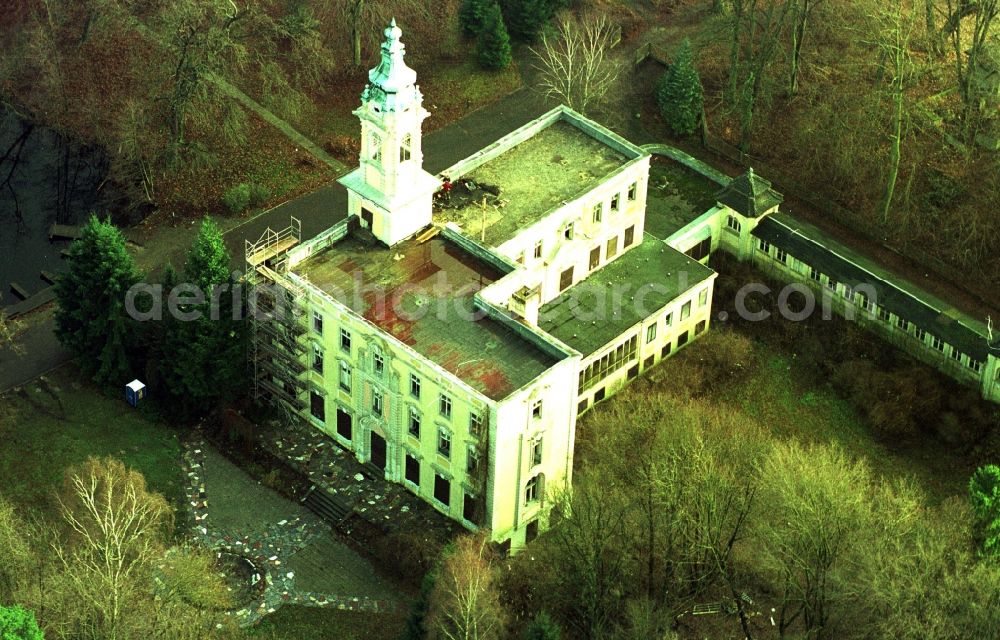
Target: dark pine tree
{"type": "Point", "coordinates": [680, 95]}
{"type": "Point", "coordinates": [472, 15]}
{"type": "Point", "coordinates": [543, 627]}
{"type": "Point", "coordinates": [91, 319]}
{"type": "Point", "coordinates": [525, 18]}
{"type": "Point", "coordinates": [205, 355]}
{"type": "Point", "coordinates": [493, 47]}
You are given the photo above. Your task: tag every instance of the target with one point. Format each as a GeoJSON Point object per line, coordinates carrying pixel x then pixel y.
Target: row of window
{"type": "Point", "coordinates": [873, 309]}
{"type": "Point", "coordinates": [471, 505]}
{"type": "Point", "coordinates": [607, 364]}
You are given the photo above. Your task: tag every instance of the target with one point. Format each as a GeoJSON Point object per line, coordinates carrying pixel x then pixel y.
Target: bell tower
{"type": "Point", "coordinates": [390, 191]}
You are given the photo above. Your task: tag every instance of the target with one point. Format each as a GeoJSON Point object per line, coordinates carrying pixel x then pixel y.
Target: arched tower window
{"type": "Point", "coordinates": [405, 148]}
{"type": "Point", "coordinates": [375, 147]}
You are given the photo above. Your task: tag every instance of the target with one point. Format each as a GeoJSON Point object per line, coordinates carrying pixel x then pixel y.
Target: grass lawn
{"type": "Point", "coordinates": [311, 623]}
{"type": "Point", "coordinates": [58, 421]}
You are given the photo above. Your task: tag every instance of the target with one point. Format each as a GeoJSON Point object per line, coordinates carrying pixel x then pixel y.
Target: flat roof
{"type": "Point", "coordinates": [808, 244]}
{"type": "Point", "coordinates": [528, 180]}
{"type": "Point", "coordinates": [422, 294]}
{"type": "Point", "coordinates": [626, 291]}
{"type": "Point", "coordinates": [676, 196]}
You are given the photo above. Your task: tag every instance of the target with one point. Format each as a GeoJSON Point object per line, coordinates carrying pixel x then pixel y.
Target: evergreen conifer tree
{"type": "Point", "coordinates": [91, 319]}
{"type": "Point", "coordinates": [493, 47]}
{"type": "Point", "coordinates": [525, 18]}
{"type": "Point", "coordinates": [680, 95]}
{"type": "Point", "coordinates": [984, 494]}
{"type": "Point", "coordinates": [543, 627]}
{"type": "Point", "coordinates": [472, 15]}
{"type": "Point", "coordinates": [205, 357]}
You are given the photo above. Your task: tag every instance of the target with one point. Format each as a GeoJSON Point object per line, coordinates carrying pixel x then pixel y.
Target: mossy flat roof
{"type": "Point", "coordinates": [676, 197]}
{"type": "Point", "coordinates": [533, 177]}
{"type": "Point", "coordinates": [626, 291]}
{"type": "Point", "coordinates": [422, 294]}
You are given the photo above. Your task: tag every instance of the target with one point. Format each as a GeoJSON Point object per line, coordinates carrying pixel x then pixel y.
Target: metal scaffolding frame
{"type": "Point", "coordinates": [276, 307]}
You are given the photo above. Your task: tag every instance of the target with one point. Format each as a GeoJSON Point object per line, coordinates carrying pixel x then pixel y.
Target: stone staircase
{"type": "Point", "coordinates": [327, 506]}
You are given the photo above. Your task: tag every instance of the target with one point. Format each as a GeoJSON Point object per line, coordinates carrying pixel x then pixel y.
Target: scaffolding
{"type": "Point", "coordinates": [276, 307]}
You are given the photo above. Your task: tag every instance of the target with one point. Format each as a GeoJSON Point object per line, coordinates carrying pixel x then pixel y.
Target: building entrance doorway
{"type": "Point", "coordinates": [344, 424]}
{"type": "Point", "coordinates": [378, 451]}
{"type": "Point", "coordinates": [368, 218]}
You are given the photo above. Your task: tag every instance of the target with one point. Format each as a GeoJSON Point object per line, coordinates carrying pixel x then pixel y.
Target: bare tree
{"type": "Point", "coordinates": [465, 603]}
{"type": "Point", "coordinates": [576, 67]}
{"type": "Point", "coordinates": [894, 25]}
{"type": "Point", "coordinates": [803, 10]}
{"type": "Point", "coordinates": [970, 48]}
{"type": "Point", "coordinates": [116, 531]}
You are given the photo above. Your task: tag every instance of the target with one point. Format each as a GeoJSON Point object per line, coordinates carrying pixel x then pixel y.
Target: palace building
{"type": "Point", "coordinates": [450, 330]}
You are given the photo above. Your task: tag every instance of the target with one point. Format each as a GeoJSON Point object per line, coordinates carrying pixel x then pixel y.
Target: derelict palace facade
{"type": "Point", "coordinates": [450, 330]}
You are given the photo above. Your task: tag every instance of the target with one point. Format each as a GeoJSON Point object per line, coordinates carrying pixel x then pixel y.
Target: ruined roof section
{"type": "Point", "coordinates": [621, 294]}
{"type": "Point", "coordinates": [422, 294]}
{"type": "Point", "coordinates": [528, 180]}
{"type": "Point", "coordinates": [749, 194]}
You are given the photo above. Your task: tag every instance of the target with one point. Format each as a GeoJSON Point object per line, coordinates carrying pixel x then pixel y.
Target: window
{"type": "Point", "coordinates": [471, 460]}
{"type": "Point", "coordinates": [344, 425]}
{"type": "Point", "coordinates": [781, 256]}
{"type": "Point", "coordinates": [763, 246]}
{"type": "Point", "coordinates": [317, 322]}
{"type": "Point", "coordinates": [414, 427]}
{"type": "Point", "coordinates": [700, 327]}
{"type": "Point", "coordinates": [814, 274]}
{"type": "Point", "coordinates": [412, 472]}
{"type": "Point", "coordinates": [444, 406]}
{"type": "Point", "coordinates": [612, 247]}
{"type": "Point", "coordinates": [532, 490]}
{"type": "Point", "coordinates": [536, 410]}
{"type": "Point", "coordinates": [531, 531]}
{"type": "Point", "coordinates": [975, 365]}
{"type": "Point", "coordinates": [595, 257]}
{"type": "Point", "coordinates": [475, 424]}
{"type": "Point", "coordinates": [442, 489]}
{"type": "Point", "coordinates": [538, 249]}
{"type": "Point", "coordinates": [831, 284]}
{"type": "Point", "coordinates": [345, 340]}
{"type": "Point", "coordinates": [633, 372]}
{"type": "Point", "coordinates": [883, 314]}
{"type": "Point", "coordinates": [599, 394]}
{"type": "Point", "coordinates": [669, 319]}
{"type": "Point", "coordinates": [650, 333]}
{"type": "Point", "coordinates": [375, 147]}
{"type": "Point", "coordinates": [378, 362]}
{"type": "Point", "coordinates": [700, 250]}
{"type": "Point", "coordinates": [470, 508]}
{"type": "Point", "coordinates": [520, 258]}
{"type": "Point", "coordinates": [568, 231]}
{"type": "Point", "coordinates": [598, 212]}
{"type": "Point", "coordinates": [317, 406]}
{"type": "Point", "coordinates": [404, 148]}
{"type": "Point", "coordinates": [632, 190]}
{"type": "Point", "coordinates": [703, 298]}
{"type": "Point", "coordinates": [536, 451]}
{"type": "Point", "coordinates": [377, 402]}
{"type": "Point", "coordinates": [615, 201]}
{"type": "Point", "coordinates": [666, 350]}
{"type": "Point", "coordinates": [629, 236]}
{"type": "Point", "coordinates": [734, 224]}
{"type": "Point", "coordinates": [566, 279]}
{"type": "Point", "coordinates": [686, 311]}
{"type": "Point", "coordinates": [937, 343]}
{"type": "Point", "coordinates": [317, 358]}
{"type": "Point", "coordinates": [902, 323]}
{"type": "Point", "coordinates": [648, 362]}
{"type": "Point", "coordinates": [414, 386]}
{"type": "Point", "coordinates": [956, 354]}
{"type": "Point", "coordinates": [610, 362]}
{"type": "Point", "coordinates": [919, 333]}
{"type": "Point", "coordinates": [345, 376]}
{"type": "Point", "coordinates": [682, 339]}
{"type": "Point", "coordinates": [444, 442]}
{"type": "Point", "coordinates": [580, 408]}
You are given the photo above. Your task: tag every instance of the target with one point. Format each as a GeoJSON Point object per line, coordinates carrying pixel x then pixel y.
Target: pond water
{"type": "Point", "coordinates": [54, 181]}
